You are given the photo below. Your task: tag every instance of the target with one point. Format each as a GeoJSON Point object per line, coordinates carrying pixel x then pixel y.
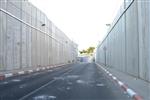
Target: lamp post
{"type": "Point", "coordinates": [43, 25]}
{"type": "Point", "coordinates": [108, 25]}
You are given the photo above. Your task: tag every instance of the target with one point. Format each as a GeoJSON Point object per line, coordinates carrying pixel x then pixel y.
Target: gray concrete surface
{"type": "Point", "coordinates": [29, 39]}
{"type": "Point", "coordinates": [82, 81]}
{"type": "Point", "coordinates": [140, 86]}
{"type": "Point", "coordinates": [128, 42]}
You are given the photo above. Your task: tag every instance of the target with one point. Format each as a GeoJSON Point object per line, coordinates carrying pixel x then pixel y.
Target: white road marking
{"type": "Point", "coordinates": [8, 75]}
{"type": "Point", "coordinates": [50, 82]}
{"type": "Point", "coordinates": [99, 85]}
{"type": "Point", "coordinates": [59, 78]}
{"type": "Point", "coordinates": [44, 97]}
{"type": "Point", "coordinates": [81, 82]}
{"type": "Point", "coordinates": [43, 68]}
{"type": "Point", "coordinates": [69, 83]}
{"type": "Point", "coordinates": [73, 76]}
{"type": "Point", "coordinates": [37, 69]}
{"type": "Point", "coordinates": [16, 80]}
{"type": "Point", "coordinates": [21, 72]}
{"type": "Point", "coordinates": [30, 71]}
{"type": "Point", "coordinates": [22, 86]}
{"type": "Point", "coordinates": [4, 83]}
{"type": "Point", "coordinates": [50, 70]}
{"type": "Point", "coordinates": [68, 88]}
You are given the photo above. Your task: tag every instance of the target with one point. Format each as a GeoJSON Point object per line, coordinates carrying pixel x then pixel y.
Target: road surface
{"type": "Point", "coordinates": [82, 81]}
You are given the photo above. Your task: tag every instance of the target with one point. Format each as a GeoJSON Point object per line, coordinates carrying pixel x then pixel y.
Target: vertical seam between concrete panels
{"type": "Point", "coordinates": [21, 25]}
{"type": "Point", "coordinates": [138, 39]}
{"type": "Point", "coordinates": [6, 43]}
{"type": "Point", "coordinates": [1, 46]}
{"type": "Point", "coordinates": [6, 40]}
{"type": "Point", "coordinates": [5, 58]}
{"type": "Point", "coordinates": [125, 38]}
{"type": "Point", "coordinates": [13, 47]}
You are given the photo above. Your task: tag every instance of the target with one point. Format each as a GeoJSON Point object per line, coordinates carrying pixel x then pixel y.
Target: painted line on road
{"type": "Point", "coordinates": [21, 72]}
{"type": "Point", "coordinates": [50, 82]}
{"type": "Point", "coordinates": [43, 68]}
{"type": "Point", "coordinates": [30, 71]}
{"type": "Point", "coordinates": [24, 97]}
{"type": "Point", "coordinates": [8, 75]}
{"type": "Point", "coordinates": [48, 67]}
{"type": "Point", "coordinates": [130, 92]}
{"type": "Point", "coordinates": [38, 69]}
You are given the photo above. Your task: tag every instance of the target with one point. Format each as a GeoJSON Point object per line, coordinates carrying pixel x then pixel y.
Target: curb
{"type": "Point", "coordinates": [129, 91]}
{"type": "Point", "coordinates": [7, 75]}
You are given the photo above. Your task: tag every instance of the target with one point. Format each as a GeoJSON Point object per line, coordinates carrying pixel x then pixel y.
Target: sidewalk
{"type": "Point", "coordinates": [139, 86]}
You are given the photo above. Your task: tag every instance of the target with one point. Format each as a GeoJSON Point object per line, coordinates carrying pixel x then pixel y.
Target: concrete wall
{"type": "Point", "coordinates": [128, 40]}
{"type": "Point", "coordinates": [25, 42]}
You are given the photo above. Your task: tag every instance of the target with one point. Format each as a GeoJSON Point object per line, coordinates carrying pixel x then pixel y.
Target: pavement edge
{"type": "Point", "coordinates": [130, 92]}
{"type": "Point", "coordinates": [7, 75]}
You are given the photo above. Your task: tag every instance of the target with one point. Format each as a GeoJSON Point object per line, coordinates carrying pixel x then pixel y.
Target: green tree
{"type": "Point", "coordinates": [89, 50]}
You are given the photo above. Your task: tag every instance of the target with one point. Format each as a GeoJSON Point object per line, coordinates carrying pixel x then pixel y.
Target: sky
{"type": "Point", "coordinates": [83, 21]}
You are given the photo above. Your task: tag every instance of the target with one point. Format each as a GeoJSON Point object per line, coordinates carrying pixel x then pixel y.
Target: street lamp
{"type": "Point", "coordinates": [43, 25]}
{"type": "Point", "coordinates": [108, 25]}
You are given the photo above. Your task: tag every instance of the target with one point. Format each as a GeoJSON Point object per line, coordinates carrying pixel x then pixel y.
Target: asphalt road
{"type": "Point", "coordinates": [82, 81]}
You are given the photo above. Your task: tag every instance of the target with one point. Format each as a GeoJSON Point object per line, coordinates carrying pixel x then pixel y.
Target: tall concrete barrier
{"type": "Point", "coordinates": [127, 44]}
{"type": "Point", "coordinates": [29, 39]}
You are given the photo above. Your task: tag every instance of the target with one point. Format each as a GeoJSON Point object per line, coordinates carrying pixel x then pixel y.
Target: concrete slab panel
{"type": "Point", "coordinates": [10, 37]}
{"type": "Point", "coordinates": [1, 42]}
{"type": "Point", "coordinates": [16, 44]}
{"type": "Point", "coordinates": [4, 39]}
{"type": "Point", "coordinates": [23, 46]}
{"type": "Point", "coordinates": [16, 3]}
{"type": "Point", "coordinates": [28, 13]}
{"type": "Point", "coordinates": [46, 50]}
{"type": "Point", "coordinates": [42, 21]}
{"type": "Point", "coordinates": [144, 40]}
{"type": "Point", "coordinates": [13, 10]}
{"type": "Point", "coordinates": [132, 45]}
{"type": "Point", "coordinates": [38, 19]}
{"type": "Point", "coordinates": [38, 47]}
{"type": "Point", "coordinates": [34, 47]}
{"type": "Point", "coordinates": [34, 16]}
{"type": "Point", "coordinates": [3, 4]}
